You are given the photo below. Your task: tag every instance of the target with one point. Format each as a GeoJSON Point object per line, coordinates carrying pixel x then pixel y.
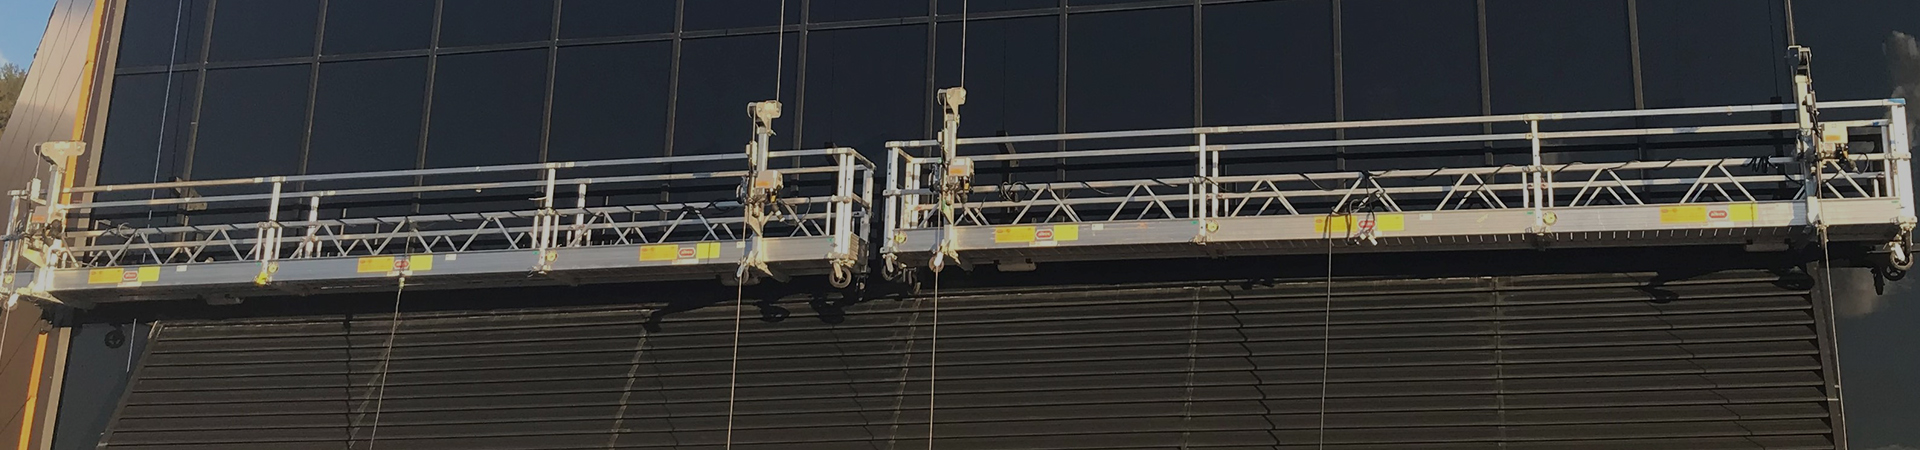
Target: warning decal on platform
{"type": "Point", "coordinates": [1036, 235]}
{"type": "Point", "coordinates": [393, 265]}
{"type": "Point", "coordinates": [676, 252]}
{"type": "Point", "coordinates": [124, 276]}
{"type": "Point", "coordinates": [659, 252]}
{"type": "Point", "coordinates": [1738, 212]}
{"type": "Point", "coordinates": [1004, 235]}
{"type": "Point", "coordinates": [1362, 222]}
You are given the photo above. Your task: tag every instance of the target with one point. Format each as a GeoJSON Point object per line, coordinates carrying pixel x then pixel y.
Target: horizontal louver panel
{"type": "Point", "coordinates": [1722, 361]}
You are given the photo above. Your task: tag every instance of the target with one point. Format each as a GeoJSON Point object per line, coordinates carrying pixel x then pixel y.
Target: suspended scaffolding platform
{"type": "Point", "coordinates": [963, 200]}
{"type": "Point", "coordinates": [645, 219]}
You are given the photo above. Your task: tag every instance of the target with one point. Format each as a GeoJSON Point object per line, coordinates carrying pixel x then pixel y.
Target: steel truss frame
{"type": "Point", "coordinates": [300, 234]}
{"type": "Point", "coordinates": [1827, 185]}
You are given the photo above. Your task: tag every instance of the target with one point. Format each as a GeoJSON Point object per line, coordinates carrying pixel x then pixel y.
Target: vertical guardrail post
{"type": "Point", "coordinates": [1900, 159]}
{"type": "Point", "coordinates": [581, 234]}
{"type": "Point", "coordinates": [310, 245]}
{"type": "Point", "coordinates": [545, 225]}
{"type": "Point", "coordinates": [1536, 179]}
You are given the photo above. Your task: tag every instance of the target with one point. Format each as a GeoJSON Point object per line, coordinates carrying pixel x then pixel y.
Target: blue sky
{"type": "Point", "coordinates": [21, 23]}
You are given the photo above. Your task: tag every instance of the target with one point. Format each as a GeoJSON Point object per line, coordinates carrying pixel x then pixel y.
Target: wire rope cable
{"type": "Point", "coordinates": [386, 363]}
{"type": "Point", "coordinates": [933, 358]}
{"type": "Point", "coordinates": [1326, 328]}
{"type": "Point", "coordinates": [1833, 331]}
{"type": "Point", "coordinates": [733, 372]}
{"type": "Point", "coordinates": [166, 102]}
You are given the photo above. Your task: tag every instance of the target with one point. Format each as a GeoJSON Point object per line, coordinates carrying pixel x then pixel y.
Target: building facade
{"type": "Point", "coordinates": [1699, 347]}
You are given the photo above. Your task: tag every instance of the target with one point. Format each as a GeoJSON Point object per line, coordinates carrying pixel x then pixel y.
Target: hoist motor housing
{"type": "Point", "coordinates": [959, 175]}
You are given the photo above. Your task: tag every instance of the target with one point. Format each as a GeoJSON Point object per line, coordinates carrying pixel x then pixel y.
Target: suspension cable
{"type": "Point", "coordinates": [1833, 328]}
{"type": "Point", "coordinates": [386, 361]}
{"type": "Point", "coordinates": [933, 358]}
{"type": "Point", "coordinates": [733, 372]}
{"type": "Point", "coordinates": [1326, 325]}
{"type": "Point", "coordinates": [963, 45]}
{"type": "Point", "coordinates": [160, 140]}
{"type": "Point", "coordinates": [780, 51]}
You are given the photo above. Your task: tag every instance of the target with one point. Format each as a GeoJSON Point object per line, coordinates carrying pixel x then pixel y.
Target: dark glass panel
{"type": "Point", "coordinates": [367, 116]}
{"type": "Point", "coordinates": [1848, 46]}
{"type": "Point", "coordinates": [1560, 56]}
{"type": "Point", "coordinates": [142, 105]}
{"type": "Point", "coordinates": [718, 78]}
{"type": "Point", "coordinates": [487, 108]}
{"type": "Point", "coordinates": [980, 6]}
{"type": "Point", "coordinates": [263, 29]}
{"type": "Point", "coordinates": [1411, 59]}
{"type": "Point", "coordinates": [156, 32]}
{"type": "Point", "coordinates": [722, 14]}
{"type": "Point", "coordinates": [610, 101]}
{"type": "Point", "coordinates": [481, 22]}
{"type": "Point", "coordinates": [1257, 71]}
{"type": "Point", "coordinates": [252, 122]}
{"type": "Point", "coordinates": [1130, 70]}
{"type": "Point", "coordinates": [99, 359]}
{"type": "Point", "coordinates": [1012, 79]}
{"type": "Point", "coordinates": [599, 18]}
{"type": "Point", "coordinates": [145, 136]}
{"type": "Point", "coordinates": [865, 86]}
{"type": "Point", "coordinates": [361, 26]}
{"type": "Point", "coordinates": [1569, 55]}
{"type": "Point", "coordinates": [1712, 52]}
{"type": "Point", "coordinates": [1127, 71]}
{"type": "Point", "coordinates": [841, 10]}
{"type": "Point", "coordinates": [1265, 63]}
{"type": "Point", "coordinates": [1012, 75]}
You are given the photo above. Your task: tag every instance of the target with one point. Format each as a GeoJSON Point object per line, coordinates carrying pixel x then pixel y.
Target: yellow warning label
{"type": "Point", "coordinates": [104, 276]}
{"type": "Point", "coordinates": [420, 263]}
{"type": "Point", "coordinates": [149, 273]}
{"type": "Point", "coordinates": [1012, 235]}
{"type": "Point", "coordinates": [708, 250]}
{"type": "Point", "coordinates": [1683, 214]}
{"type": "Point", "coordinates": [1742, 212]}
{"type": "Point", "coordinates": [1348, 223]}
{"type": "Point", "coordinates": [375, 264]}
{"type": "Point", "coordinates": [1066, 232]}
{"type": "Point", "coordinates": [659, 252]}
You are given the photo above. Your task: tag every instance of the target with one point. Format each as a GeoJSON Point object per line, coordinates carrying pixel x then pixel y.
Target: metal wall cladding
{"type": "Point", "coordinates": [1722, 361]}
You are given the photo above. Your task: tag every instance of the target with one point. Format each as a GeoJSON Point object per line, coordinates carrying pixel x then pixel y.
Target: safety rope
{"type": "Point", "coordinates": [386, 361]}
{"type": "Point", "coordinates": [1833, 329]}
{"type": "Point", "coordinates": [933, 358]}
{"type": "Point", "coordinates": [160, 140]}
{"type": "Point", "coordinates": [963, 43]}
{"type": "Point", "coordinates": [1326, 327]}
{"type": "Point", "coordinates": [733, 372]}
{"type": "Point", "coordinates": [780, 51]}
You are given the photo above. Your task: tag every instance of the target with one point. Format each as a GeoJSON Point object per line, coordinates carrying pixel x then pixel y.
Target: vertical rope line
{"type": "Point", "coordinates": [933, 358]}
{"type": "Point", "coordinates": [166, 102]}
{"type": "Point", "coordinates": [780, 51]}
{"type": "Point", "coordinates": [1326, 333]}
{"type": "Point", "coordinates": [1833, 329]}
{"type": "Point", "coordinates": [733, 372]}
{"type": "Point", "coordinates": [386, 362]}
{"type": "Point", "coordinates": [135, 329]}
{"type": "Point", "coordinates": [963, 46]}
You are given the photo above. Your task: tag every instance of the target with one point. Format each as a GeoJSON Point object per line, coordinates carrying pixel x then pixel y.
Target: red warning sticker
{"type": "Point", "coordinates": [686, 252]}
{"type": "Point", "coordinates": [129, 276]}
{"type": "Point", "coordinates": [401, 264]}
{"type": "Point", "coordinates": [1717, 214]}
{"type": "Point", "coordinates": [1043, 234]}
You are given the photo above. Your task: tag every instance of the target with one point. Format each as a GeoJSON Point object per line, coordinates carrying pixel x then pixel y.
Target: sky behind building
{"type": "Point", "coordinates": [21, 24]}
